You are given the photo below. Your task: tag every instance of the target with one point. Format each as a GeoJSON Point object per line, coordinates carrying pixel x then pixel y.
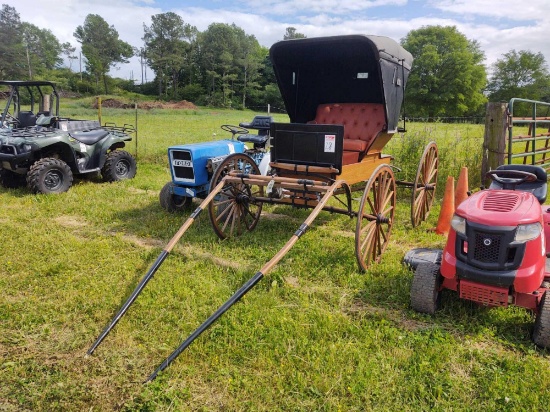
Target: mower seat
{"type": "Point", "coordinates": [538, 188]}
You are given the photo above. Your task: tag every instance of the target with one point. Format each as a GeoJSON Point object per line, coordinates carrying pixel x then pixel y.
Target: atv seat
{"type": "Point", "coordinates": [538, 188]}
{"type": "Point", "coordinates": [26, 119]}
{"type": "Point", "coordinates": [89, 137]}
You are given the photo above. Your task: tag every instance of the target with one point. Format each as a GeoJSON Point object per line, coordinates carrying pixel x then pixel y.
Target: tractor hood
{"type": "Point", "coordinates": [501, 208]}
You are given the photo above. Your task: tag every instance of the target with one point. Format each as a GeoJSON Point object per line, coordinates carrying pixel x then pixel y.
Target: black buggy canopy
{"type": "Point", "coordinates": [341, 69]}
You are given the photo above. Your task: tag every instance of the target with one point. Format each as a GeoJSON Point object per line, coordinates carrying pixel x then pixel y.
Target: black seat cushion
{"type": "Point", "coordinates": [89, 137]}
{"type": "Point", "coordinates": [538, 188]}
{"type": "Point", "coordinates": [253, 138]}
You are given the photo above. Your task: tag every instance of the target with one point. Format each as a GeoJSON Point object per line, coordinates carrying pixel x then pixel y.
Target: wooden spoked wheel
{"type": "Point", "coordinates": [425, 185]}
{"type": "Point", "coordinates": [375, 217]}
{"type": "Point", "coordinates": [235, 209]}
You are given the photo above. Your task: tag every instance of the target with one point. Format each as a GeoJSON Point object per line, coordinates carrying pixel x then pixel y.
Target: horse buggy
{"type": "Point", "coordinates": [343, 96]}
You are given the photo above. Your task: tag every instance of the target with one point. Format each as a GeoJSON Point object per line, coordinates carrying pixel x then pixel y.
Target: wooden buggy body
{"type": "Point", "coordinates": [343, 95]}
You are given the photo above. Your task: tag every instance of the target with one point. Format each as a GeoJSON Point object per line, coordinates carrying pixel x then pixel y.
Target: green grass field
{"type": "Point", "coordinates": [314, 335]}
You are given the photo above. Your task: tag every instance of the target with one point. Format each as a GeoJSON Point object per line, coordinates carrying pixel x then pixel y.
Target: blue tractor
{"type": "Point", "coordinates": [193, 166]}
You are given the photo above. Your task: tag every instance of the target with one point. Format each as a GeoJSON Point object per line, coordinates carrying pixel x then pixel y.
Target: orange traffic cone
{"type": "Point", "coordinates": [461, 193]}
{"type": "Point", "coordinates": [447, 208]}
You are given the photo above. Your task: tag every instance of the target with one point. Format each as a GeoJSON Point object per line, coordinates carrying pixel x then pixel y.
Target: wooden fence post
{"type": "Point", "coordinates": [494, 140]}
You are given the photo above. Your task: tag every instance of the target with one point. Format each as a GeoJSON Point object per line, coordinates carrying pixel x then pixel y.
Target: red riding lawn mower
{"type": "Point", "coordinates": [497, 251]}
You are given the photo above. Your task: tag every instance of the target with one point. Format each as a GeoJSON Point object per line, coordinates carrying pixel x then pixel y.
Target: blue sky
{"type": "Point", "coordinates": [498, 25]}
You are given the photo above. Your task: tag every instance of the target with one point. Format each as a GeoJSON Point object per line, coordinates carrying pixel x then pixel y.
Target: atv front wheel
{"type": "Point", "coordinates": [120, 165]}
{"type": "Point", "coordinates": [541, 332]}
{"type": "Point", "coordinates": [49, 175]}
{"type": "Point", "coordinates": [11, 180]}
{"type": "Point", "coordinates": [171, 202]}
{"type": "Point", "coordinates": [425, 295]}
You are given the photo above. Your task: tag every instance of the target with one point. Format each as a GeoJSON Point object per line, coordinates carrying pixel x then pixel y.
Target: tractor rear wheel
{"type": "Point", "coordinates": [541, 332]}
{"type": "Point", "coordinates": [425, 294]}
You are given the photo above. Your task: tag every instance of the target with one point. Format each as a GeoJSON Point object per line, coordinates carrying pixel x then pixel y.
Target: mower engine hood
{"type": "Point", "coordinates": [501, 208]}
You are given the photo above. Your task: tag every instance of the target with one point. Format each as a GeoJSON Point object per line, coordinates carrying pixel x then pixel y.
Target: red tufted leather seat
{"type": "Point", "coordinates": [362, 123]}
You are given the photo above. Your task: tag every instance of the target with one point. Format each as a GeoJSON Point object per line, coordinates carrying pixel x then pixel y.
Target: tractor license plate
{"type": "Point", "coordinates": [182, 163]}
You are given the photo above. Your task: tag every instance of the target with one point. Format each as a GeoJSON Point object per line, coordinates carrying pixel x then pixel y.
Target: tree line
{"type": "Point", "coordinates": [224, 66]}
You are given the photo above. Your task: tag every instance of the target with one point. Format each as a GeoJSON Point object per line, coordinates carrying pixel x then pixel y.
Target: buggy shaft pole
{"type": "Point", "coordinates": [250, 283]}
{"type": "Point", "coordinates": [152, 270]}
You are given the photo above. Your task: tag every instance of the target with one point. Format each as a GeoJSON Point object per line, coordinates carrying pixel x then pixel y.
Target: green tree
{"type": "Point", "coordinates": [101, 46]}
{"type": "Point", "coordinates": [43, 50]}
{"type": "Point", "coordinates": [168, 48]}
{"type": "Point", "coordinates": [291, 33]}
{"type": "Point", "coordinates": [12, 49]}
{"type": "Point", "coordinates": [68, 50]}
{"type": "Point", "coordinates": [519, 74]}
{"type": "Point", "coordinates": [448, 76]}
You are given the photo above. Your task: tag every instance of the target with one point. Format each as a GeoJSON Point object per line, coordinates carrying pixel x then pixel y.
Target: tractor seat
{"type": "Point", "coordinates": [89, 137]}
{"type": "Point", "coordinates": [260, 123]}
{"type": "Point", "coordinates": [538, 188]}
{"type": "Point", "coordinates": [258, 140]}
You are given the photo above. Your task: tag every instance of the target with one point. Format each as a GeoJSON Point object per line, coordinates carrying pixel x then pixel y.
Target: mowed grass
{"type": "Point", "coordinates": [314, 335]}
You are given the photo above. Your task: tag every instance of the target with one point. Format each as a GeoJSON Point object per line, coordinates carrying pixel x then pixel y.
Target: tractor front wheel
{"type": "Point", "coordinates": [173, 203]}
{"type": "Point", "coordinates": [119, 165]}
{"type": "Point", "coordinates": [541, 332]}
{"type": "Point", "coordinates": [425, 294]}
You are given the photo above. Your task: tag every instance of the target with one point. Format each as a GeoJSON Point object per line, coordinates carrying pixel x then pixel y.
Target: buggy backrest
{"type": "Point", "coordinates": [538, 188]}
{"type": "Point", "coordinates": [362, 121]}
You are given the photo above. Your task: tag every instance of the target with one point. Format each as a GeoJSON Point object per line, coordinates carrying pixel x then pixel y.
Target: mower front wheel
{"type": "Point", "coordinates": [425, 294]}
{"type": "Point", "coordinates": [541, 332]}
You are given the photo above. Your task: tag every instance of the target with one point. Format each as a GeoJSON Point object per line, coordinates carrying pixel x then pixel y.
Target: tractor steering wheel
{"type": "Point", "coordinates": [509, 179]}
{"type": "Point", "coordinates": [234, 130]}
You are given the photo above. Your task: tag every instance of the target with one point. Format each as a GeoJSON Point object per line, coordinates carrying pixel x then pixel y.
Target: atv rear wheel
{"type": "Point", "coordinates": [541, 332]}
{"type": "Point", "coordinates": [11, 180]}
{"type": "Point", "coordinates": [49, 175]}
{"type": "Point", "coordinates": [120, 165]}
{"type": "Point", "coordinates": [425, 295]}
{"type": "Point", "coordinates": [171, 202]}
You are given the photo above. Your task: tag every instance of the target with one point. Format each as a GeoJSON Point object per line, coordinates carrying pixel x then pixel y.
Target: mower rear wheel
{"type": "Point", "coordinates": [425, 294]}
{"type": "Point", "coordinates": [541, 332]}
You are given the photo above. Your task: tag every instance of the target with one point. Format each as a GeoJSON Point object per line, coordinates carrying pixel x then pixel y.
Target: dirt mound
{"type": "Point", "coordinates": [117, 104]}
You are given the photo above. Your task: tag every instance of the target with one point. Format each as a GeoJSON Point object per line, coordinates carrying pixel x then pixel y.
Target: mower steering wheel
{"type": "Point", "coordinates": [509, 179]}
{"type": "Point", "coordinates": [234, 130]}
